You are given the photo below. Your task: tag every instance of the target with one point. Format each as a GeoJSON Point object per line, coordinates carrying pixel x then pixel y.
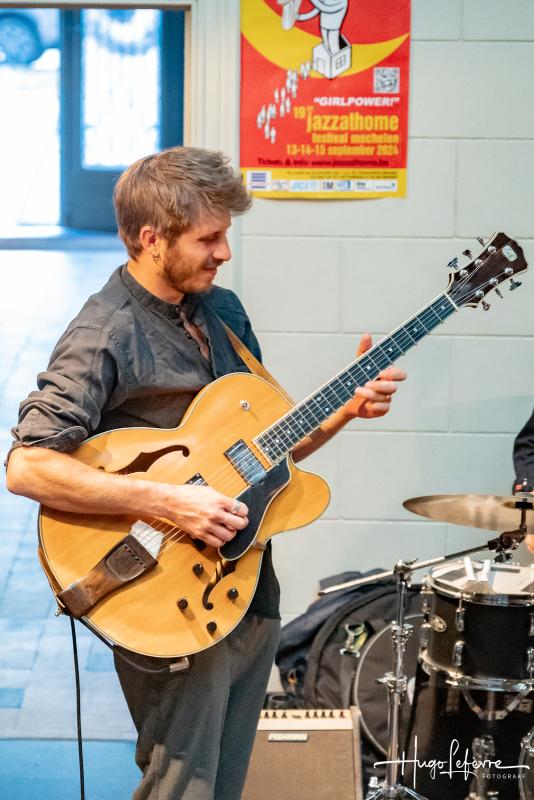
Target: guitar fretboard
{"type": "Point", "coordinates": [279, 439]}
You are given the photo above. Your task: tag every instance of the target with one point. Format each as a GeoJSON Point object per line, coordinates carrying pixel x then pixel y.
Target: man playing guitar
{"type": "Point", "coordinates": [135, 356]}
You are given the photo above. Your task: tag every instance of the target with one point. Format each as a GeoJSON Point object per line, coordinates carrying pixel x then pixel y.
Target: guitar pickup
{"type": "Point", "coordinates": [245, 462]}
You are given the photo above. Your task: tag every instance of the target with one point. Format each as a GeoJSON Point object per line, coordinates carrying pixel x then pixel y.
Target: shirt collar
{"type": "Point", "coordinates": [171, 310]}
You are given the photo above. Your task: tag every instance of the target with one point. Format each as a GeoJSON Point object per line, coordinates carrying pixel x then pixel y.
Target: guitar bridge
{"type": "Point", "coordinates": [197, 480]}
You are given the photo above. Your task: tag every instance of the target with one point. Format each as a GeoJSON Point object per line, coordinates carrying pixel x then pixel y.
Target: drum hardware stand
{"type": "Point", "coordinates": [502, 545]}
{"type": "Point", "coordinates": [483, 747]}
{"type": "Point", "coordinates": [412, 566]}
{"type": "Point", "coordinates": [396, 684]}
{"type": "Point", "coordinates": [510, 540]}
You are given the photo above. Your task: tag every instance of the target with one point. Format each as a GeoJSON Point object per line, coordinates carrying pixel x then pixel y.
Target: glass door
{"type": "Point", "coordinates": [122, 98]}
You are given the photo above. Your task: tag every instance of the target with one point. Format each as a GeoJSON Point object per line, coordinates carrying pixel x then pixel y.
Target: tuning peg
{"type": "Point", "coordinates": [481, 240]}
{"type": "Point", "coordinates": [485, 306]}
{"type": "Point", "coordinates": [498, 293]}
{"type": "Point", "coordinates": [468, 253]}
{"type": "Point", "coordinates": [453, 264]}
{"type": "Point", "coordinates": [514, 284]}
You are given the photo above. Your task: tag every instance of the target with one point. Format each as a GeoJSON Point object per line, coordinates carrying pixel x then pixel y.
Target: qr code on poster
{"type": "Point", "coordinates": [386, 80]}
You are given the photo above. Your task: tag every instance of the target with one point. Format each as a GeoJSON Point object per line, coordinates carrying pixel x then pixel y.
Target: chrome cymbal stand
{"type": "Point", "coordinates": [396, 684]}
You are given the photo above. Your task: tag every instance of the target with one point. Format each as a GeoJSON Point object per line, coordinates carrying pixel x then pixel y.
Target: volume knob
{"type": "Point", "coordinates": [232, 593]}
{"type": "Point", "coordinates": [198, 569]}
{"type": "Point", "coordinates": [212, 627]}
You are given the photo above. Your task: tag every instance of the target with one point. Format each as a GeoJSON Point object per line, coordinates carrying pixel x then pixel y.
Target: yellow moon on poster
{"type": "Point", "coordinates": [262, 28]}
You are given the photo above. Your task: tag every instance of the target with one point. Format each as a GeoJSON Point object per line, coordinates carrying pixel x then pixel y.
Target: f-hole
{"type": "Point", "coordinates": [144, 461]}
{"type": "Point", "coordinates": [222, 569]}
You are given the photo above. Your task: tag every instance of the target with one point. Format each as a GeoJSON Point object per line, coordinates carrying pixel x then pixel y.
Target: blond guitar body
{"type": "Point", "coordinates": [147, 615]}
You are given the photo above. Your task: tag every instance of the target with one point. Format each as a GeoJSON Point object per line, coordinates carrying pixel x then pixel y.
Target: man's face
{"type": "Point", "coordinates": [190, 263]}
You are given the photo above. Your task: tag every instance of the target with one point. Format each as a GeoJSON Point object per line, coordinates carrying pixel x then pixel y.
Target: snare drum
{"type": "Point", "coordinates": [482, 634]}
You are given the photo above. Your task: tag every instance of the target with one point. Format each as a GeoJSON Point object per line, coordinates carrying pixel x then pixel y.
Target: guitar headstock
{"type": "Point", "coordinates": [501, 259]}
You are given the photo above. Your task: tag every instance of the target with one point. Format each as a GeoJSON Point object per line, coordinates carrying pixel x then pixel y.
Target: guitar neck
{"type": "Point", "coordinates": [277, 441]}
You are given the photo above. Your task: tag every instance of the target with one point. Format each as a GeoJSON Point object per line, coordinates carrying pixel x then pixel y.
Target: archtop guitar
{"type": "Point", "coordinates": [144, 584]}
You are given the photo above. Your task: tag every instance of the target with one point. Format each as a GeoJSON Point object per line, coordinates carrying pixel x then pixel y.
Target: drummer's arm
{"type": "Point", "coordinates": [524, 453]}
{"type": "Point", "coordinates": [524, 463]}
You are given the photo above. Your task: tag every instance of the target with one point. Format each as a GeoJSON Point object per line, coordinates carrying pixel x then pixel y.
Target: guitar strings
{"type": "Point", "coordinates": [173, 531]}
{"type": "Point", "coordinates": [247, 456]}
{"type": "Point", "coordinates": [169, 537]}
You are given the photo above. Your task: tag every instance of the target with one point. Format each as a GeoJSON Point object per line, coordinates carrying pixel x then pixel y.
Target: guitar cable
{"type": "Point", "coordinates": [78, 707]}
{"type": "Point", "coordinates": [177, 666]}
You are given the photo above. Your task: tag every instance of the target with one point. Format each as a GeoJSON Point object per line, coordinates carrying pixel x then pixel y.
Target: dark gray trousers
{"type": "Point", "coordinates": [196, 728]}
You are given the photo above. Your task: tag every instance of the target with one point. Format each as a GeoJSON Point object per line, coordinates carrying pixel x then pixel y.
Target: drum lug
{"type": "Point", "coordinates": [425, 635]}
{"type": "Point", "coordinates": [530, 661]}
{"type": "Point", "coordinates": [457, 651]}
{"type": "Point", "coordinates": [531, 629]}
{"type": "Point", "coordinates": [459, 618]}
{"type": "Point", "coordinates": [426, 594]}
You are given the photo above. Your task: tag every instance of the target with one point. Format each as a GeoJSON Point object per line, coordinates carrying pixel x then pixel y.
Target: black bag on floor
{"type": "Point", "coordinates": [298, 635]}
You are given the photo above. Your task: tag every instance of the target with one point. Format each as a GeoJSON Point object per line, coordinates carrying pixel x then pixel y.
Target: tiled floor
{"type": "Point", "coordinates": [48, 770]}
{"type": "Point", "coordinates": [41, 291]}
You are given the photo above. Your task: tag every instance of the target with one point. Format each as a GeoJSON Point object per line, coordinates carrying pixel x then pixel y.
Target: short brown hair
{"type": "Point", "coordinates": [171, 189]}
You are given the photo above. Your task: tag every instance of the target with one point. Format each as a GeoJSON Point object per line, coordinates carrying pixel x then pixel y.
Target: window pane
{"type": "Point", "coordinates": [29, 136]}
{"type": "Point", "coordinates": [120, 86]}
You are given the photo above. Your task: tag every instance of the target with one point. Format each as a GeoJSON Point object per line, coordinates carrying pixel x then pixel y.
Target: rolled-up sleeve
{"type": "Point", "coordinates": [67, 406]}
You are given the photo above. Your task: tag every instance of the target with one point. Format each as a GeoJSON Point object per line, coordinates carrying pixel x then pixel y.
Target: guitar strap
{"type": "Point", "coordinates": [255, 366]}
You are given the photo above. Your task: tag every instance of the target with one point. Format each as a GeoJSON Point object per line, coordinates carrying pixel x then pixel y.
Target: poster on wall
{"type": "Point", "coordinates": [324, 98]}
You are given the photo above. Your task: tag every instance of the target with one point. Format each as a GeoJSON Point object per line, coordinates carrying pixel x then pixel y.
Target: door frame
{"type": "Point", "coordinates": [86, 194]}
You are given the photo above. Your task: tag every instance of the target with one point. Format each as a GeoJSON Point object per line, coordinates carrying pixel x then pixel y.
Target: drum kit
{"type": "Point", "coordinates": [475, 660]}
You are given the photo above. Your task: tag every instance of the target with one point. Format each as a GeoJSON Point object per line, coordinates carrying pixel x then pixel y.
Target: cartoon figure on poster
{"type": "Point", "coordinates": [324, 98]}
{"type": "Point", "coordinates": [333, 56]}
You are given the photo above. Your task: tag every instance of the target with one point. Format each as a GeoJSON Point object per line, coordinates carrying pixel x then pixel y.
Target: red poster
{"type": "Point", "coordinates": [324, 97]}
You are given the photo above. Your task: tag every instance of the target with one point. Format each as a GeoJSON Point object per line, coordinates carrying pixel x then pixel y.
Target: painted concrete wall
{"type": "Point", "coordinates": [314, 275]}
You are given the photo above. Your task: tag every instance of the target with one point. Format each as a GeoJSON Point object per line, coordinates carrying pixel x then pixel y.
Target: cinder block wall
{"type": "Point", "coordinates": [314, 275]}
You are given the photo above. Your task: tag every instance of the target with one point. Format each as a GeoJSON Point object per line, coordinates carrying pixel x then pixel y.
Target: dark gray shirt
{"type": "Point", "coordinates": [524, 453]}
{"type": "Point", "coordinates": [125, 361]}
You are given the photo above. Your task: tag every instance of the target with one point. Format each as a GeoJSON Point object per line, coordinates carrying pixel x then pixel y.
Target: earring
{"type": "Point", "coordinates": [156, 258]}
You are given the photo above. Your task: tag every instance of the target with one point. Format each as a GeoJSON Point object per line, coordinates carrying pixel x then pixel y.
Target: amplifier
{"type": "Point", "coordinates": [306, 754]}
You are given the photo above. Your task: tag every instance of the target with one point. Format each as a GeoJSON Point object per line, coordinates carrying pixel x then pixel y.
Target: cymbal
{"type": "Point", "coordinates": [488, 511]}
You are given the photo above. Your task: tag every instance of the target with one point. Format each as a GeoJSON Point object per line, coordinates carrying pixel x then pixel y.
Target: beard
{"type": "Point", "coordinates": [186, 277]}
